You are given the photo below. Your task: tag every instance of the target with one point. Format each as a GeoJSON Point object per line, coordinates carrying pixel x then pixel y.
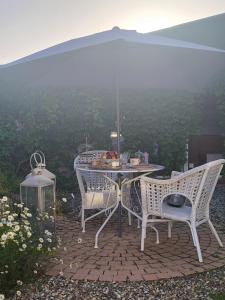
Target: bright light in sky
{"type": "Point", "coordinates": [150, 23]}
{"type": "Point", "coordinates": [28, 26]}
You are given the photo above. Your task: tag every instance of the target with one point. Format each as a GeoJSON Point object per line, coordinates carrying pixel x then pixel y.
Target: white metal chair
{"type": "Point", "coordinates": [98, 192]}
{"type": "Point", "coordinates": [197, 185]}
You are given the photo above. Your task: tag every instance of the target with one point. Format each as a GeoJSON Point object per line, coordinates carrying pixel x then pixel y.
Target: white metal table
{"type": "Point", "coordinates": [122, 180]}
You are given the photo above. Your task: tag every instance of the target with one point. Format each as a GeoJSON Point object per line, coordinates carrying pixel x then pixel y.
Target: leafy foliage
{"type": "Point", "coordinates": [57, 122]}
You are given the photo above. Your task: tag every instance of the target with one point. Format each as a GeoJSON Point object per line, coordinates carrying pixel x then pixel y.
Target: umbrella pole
{"type": "Point", "coordinates": [118, 116]}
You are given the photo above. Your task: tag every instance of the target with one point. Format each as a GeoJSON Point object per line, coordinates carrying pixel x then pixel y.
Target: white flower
{"type": "Point", "coordinates": [18, 293]}
{"type": "Point", "coordinates": [48, 232]}
{"type": "Point", "coordinates": [79, 241]}
{"type": "Point", "coordinates": [35, 271]}
{"type": "Point", "coordinates": [7, 212]}
{"type": "Point", "coordinates": [1, 224]}
{"type": "Point", "coordinates": [10, 218]}
{"type": "Point", "coordinates": [4, 198]}
{"type": "Point", "coordinates": [61, 273]}
{"type": "Point", "coordinates": [17, 228]}
{"type": "Point", "coordinates": [19, 282]}
{"type": "Point", "coordinates": [24, 246]}
{"type": "Point", "coordinates": [3, 220]}
{"type": "Point", "coordinates": [11, 235]}
{"type": "Point", "coordinates": [71, 265]}
{"type": "Point", "coordinates": [41, 240]}
{"type": "Point", "coordinates": [2, 297]}
{"type": "Point", "coordinates": [27, 228]}
{"type": "Point", "coordinates": [4, 237]}
{"type": "Point", "coordinates": [29, 215]}
{"type": "Point", "coordinates": [15, 215]}
{"type": "Point", "coordinates": [20, 205]}
{"type": "Point", "coordinates": [65, 249]}
{"type": "Point", "coordinates": [49, 240]}
{"type": "Point", "coordinates": [9, 224]}
{"type": "Point", "coordinates": [64, 199]}
{"type": "Point", "coordinates": [29, 234]}
{"type": "Point", "coordinates": [40, 245]}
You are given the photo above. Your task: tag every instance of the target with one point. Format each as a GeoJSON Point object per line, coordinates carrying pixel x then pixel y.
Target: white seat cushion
{"type": "Point", "coordinates": [97, 200]}
{"type": "Point", "coordinates": [178, 213]}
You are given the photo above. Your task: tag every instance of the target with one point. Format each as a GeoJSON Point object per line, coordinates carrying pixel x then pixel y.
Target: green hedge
{"type": "Point", "coordinates": [57, 121]}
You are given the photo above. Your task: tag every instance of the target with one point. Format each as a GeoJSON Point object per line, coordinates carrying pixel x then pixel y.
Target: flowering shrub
{"type": "Point", "coordinates": [21, 246]}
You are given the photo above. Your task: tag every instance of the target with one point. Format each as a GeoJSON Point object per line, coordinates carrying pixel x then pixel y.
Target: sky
{"type": "Point", "coordinates": [27, 26]}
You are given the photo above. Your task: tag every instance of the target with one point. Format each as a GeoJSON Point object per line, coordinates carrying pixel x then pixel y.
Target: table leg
{"type": "Point", "coordinates": [120, 177]}
{"type": "Point", "coordinates": [120, 220]}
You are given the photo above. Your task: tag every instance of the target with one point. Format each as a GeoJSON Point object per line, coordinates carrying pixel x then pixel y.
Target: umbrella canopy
{"type": "Point", "coordinates": [140, 60]}
{"type": "Point", "coordinates": [123, 58]}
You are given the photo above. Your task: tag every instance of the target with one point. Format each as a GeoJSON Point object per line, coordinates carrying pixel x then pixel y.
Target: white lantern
{"type": "Point", "coordinates": [38, 158]}
{"type": "Point", "coordinates": [37, 192]}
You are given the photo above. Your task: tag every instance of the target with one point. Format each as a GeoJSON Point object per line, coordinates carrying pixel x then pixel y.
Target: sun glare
{"type": "Point", "coordinates": [151, 23]}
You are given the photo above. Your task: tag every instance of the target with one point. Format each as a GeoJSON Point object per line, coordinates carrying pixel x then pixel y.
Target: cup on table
{"type": "Point", "coordinates": [134, 161]}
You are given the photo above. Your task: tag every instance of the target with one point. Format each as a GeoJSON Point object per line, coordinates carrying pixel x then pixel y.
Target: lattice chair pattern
{"type": "Point", "coordinates": [98, 192]}
{"type": "Point", "coordinates": [197, 185]}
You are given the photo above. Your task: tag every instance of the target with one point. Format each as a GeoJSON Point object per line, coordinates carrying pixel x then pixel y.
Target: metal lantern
{"type": "Point", "coordinates": [37, 192]}
{"type": "Point", "coordinates": [114, 138]}
{"type": "Point", "coordinates": [38, 158]}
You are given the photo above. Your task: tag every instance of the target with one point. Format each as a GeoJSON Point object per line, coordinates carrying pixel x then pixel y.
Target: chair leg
{"type": "Point", "coordinates": [193, 237]}
{"type": "Point", "coordinates": [138, 221]}
{"type": "Point", "coordinates": [143, 234]}
{"type": "Point", "coordinates": [129, 218]}
{"type": "Point", "coordinates": [103, 225]}
{"type": "Point", "coordinates": [215, 233]}
{"type": "Point", "coordinates": [157, 234]}
{"type": "Point", "coordinates": [170, 224]}
{"type": "Point", "coordinates": [82, 220]}
{"type": "Point", "coordinates": [197, 243]}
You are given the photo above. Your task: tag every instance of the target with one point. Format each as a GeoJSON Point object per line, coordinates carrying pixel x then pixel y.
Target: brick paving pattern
{"type": "Point", "coordinates": [120, 259]}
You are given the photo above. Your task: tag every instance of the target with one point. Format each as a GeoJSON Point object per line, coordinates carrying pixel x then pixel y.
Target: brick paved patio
{"type": "Point", "coordinates": [120, 259]}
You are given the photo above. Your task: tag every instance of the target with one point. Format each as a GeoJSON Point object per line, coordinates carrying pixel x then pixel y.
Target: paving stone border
{"type": "Point", "coordinates": [120, 259]}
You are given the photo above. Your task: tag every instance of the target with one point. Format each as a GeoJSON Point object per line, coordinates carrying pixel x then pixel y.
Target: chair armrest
{"type": "Point", "coordinates": [175, 173]}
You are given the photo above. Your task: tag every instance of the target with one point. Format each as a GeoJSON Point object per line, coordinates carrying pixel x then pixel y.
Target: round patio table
{"type": "Point", "coordinates": [121, 181]}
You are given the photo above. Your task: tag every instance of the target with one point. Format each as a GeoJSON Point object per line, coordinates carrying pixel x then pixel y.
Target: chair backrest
{"type": "Point", "coordinates": [94, 182]}
{"type": "Point", "coordinates": [197, 185]}
{"type": "Point", "coordinates": [88, 157]}
{"type": "Point", "coordinates": [206, 190]}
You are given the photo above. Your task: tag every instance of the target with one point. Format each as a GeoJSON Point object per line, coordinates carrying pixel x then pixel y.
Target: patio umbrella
{"type": "Point", "coordinates": [125, 57]}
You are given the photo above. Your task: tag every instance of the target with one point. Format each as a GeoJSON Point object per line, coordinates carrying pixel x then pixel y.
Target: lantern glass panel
{"type": "Point", "coordinates": [29, 196]}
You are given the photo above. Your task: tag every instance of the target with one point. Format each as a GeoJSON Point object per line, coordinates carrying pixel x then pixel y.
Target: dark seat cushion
{"type": "Point", "coordinates": [176, 200]}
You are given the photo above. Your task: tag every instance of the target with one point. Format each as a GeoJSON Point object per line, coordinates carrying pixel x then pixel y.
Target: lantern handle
{"type": "Point", "coordinates": [34, 157]}
{"type": "Point", "coordinates": [42, 156]}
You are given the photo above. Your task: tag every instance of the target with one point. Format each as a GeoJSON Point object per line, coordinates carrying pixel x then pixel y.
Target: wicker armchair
{"type": "Point", "coordinates": [197, 185]}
